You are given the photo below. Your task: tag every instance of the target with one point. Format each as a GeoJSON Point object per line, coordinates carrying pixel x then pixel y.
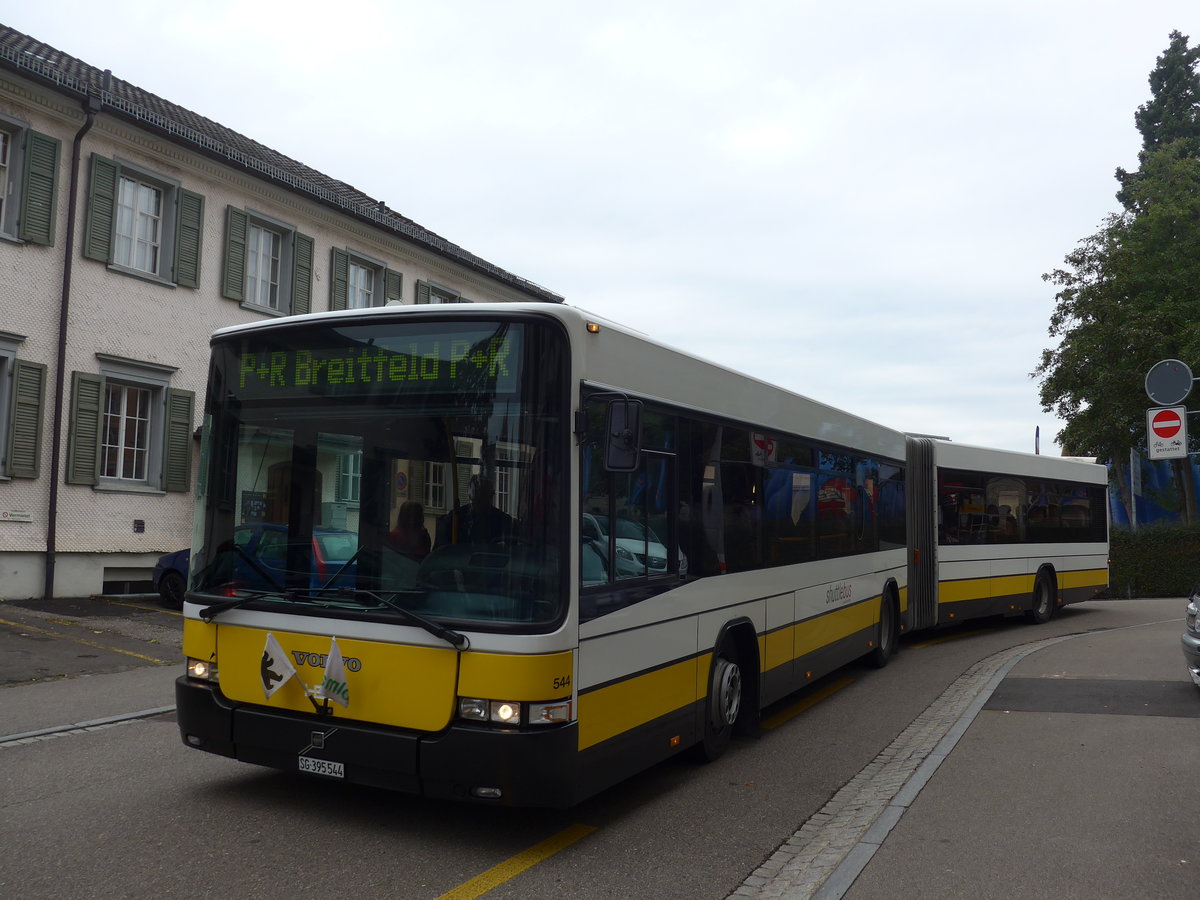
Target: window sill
{"type": "Point", "coordinates": [143, 489]}
{"type": "Point", "coordinates": [141, 276]}
{"type": "Point", "coordinates": [264, 310]}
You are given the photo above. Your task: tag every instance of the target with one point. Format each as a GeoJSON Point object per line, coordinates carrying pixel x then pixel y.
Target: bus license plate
{"type": "Point", "coordinates": [322, 767]}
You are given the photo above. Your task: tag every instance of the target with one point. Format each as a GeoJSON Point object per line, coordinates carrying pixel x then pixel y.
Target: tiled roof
{"type": "Point", "coordinates": [41, 62]}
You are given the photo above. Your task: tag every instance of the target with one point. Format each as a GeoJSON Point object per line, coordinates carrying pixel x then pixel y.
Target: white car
{"type": "Point", "coordinates": [638, 550]}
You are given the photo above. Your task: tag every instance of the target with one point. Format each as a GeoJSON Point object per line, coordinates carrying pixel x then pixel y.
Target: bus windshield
{"type": "Point", "coordinates": [392, 468]}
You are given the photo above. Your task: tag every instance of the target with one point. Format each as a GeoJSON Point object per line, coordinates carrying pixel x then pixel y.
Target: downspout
{"type": "Point", "coordinates": [91, 106]}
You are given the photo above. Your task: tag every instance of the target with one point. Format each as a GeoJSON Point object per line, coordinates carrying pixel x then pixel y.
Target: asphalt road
{"type": "Point", "coordinates": [120, 808]}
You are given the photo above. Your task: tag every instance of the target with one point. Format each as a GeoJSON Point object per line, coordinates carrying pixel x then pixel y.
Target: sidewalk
{"type": "Point", "coordinates": [1068, 767]}
{"type": "Point", "coordinates": [73, 660]}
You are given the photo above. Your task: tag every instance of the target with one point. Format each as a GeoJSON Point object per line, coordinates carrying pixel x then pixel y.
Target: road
{"type": "Point", "coordinates": [122, 808]}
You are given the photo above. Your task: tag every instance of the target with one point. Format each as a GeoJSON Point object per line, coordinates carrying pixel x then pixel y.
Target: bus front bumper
{"type": "Point", "coordinates": [463, 762]}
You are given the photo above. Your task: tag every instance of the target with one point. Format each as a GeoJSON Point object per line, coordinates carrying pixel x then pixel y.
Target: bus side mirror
{"type": "Point", "coordinates": [623, 447]}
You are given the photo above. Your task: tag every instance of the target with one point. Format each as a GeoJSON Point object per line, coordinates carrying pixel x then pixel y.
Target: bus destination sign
{"type": "Point", "coordinates": [427, 364]}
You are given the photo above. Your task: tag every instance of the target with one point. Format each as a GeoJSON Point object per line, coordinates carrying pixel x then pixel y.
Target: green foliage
{"type": "Point", "coordinates": [1160, 561]}
{"type": "Point", "coordinates": [1171, 114]}
{"type": "Point", "coordinates": [1127, 296]}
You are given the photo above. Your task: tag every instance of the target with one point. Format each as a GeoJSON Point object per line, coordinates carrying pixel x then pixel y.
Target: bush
{"type": "Point", "coordinates": [1158, 561]}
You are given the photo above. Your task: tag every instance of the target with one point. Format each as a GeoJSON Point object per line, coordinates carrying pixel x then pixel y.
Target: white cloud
{"type": "Point", "coordinates": [856, 201]}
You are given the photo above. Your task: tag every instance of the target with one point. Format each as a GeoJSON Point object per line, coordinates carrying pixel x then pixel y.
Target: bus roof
{"type": "Point", "coordinates": [624, 359]}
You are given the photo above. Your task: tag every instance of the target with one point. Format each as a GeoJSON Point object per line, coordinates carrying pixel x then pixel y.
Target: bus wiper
{"type": "Point", "coordinates": [211, 612]}
{"type": "Point", "coordinates": [456, 639]}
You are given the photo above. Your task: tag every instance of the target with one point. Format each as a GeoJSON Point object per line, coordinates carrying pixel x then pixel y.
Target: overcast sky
{"type": "Point", "coordinates": [856, 201]}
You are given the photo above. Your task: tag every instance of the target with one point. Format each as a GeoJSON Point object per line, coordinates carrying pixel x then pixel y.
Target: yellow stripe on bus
{"type": "Point", "coordinates": [1014, 585]}
{"type": "Point", "coordinates": [619, 707]}
{"type": "Point", "coordinates": [615, 709]}
{"type": "Point", "coordinates": [1085, 578]}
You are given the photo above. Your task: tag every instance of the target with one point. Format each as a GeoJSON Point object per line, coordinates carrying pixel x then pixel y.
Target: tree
{"type": "Point", "coordinates": [1130, 294]}
{"type": "Point", "coordinates": [1171, 113]}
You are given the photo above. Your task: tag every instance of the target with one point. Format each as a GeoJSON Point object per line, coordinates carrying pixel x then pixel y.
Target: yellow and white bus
{"type": "Point", "coordinates": [514, 553]}
{"type": "Point", "coordinates": [996, 532]}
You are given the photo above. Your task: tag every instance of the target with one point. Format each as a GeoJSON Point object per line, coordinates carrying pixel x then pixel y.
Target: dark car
{"type": "Point", "coordinates": [170, 578]}
{"type": "Point", "coordinates": [262, 549]}
{"type": "Point", "coordinates": [1191, 637]}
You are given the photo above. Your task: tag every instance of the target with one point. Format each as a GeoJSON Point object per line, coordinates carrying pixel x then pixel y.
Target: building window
{"type": "Point", "coordinates": [125, 432]}
{"type": "Point", "coordinates": [360, 286]}
{"type": "Point", "coordinates": [267, 263]}
{"type": "Point", "coordinates": [349, 477]}
{"type": "Point", "coordinates": [5, 155]}
{"type": "Point", "coordinates": [141, 223]}
{"type": "Point", "coordinates": [435, 486]}
{"type": "Point", "coordinates": [28, 183]}
{"type": "Point", "coordinates": [22, 398]}
{"type": "Point", "coordinates": [428, 292]}
{"type": "Point", "coordinates": [138, 226]}
{"type": "Point", "coordinates": [262, 266]}
{"type": "Point", "coordinates": [359, 282]}
{"type": "Point", "coordinates": [129, 429]}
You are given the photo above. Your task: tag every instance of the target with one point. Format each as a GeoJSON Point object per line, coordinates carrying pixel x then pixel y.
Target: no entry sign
{"type": "Point", "coordinates": [1166, 432]}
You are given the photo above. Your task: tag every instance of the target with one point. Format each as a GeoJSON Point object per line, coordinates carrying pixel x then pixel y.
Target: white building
{"type": "Point", "coordinates": [130, 229]}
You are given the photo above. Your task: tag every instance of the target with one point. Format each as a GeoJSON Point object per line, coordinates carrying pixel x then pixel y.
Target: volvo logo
{"type": "Point", "coordinates": [317, 660]}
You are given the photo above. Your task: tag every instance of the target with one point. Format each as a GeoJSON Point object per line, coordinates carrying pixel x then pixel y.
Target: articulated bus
{"type": "Point", "coordinates": [514, 553]}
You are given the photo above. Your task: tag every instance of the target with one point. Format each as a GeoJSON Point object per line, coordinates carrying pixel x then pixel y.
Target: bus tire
{"type": "Point", "coordinates": [724, 702]}
{"type": "Point", "coordinates": [1043, 599]}
{"type": "Point", "coordinates": [886, 638]}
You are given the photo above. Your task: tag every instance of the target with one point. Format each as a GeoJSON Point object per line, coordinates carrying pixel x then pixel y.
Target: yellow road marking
{"type": "Point", "coordinates": [807, 703]}
{"type": "Point", "coordinates": [22, 626]}
{"type": "Point", "coordinates": [514, 866]}
{"type": "Point", "coordinates": [153, 609]}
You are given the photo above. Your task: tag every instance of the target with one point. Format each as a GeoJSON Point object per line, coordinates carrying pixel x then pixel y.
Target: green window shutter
{"type": "Point", "coordinates": [102, 209]}
{"type": "Point", "coordinates": [422, 292]}
{"type": "Point", "coordinates": [39, 196]}
{"type": "Point", "coordinates": [25, 428]}
{"type": "Point", "coordinates": [233, 272]}
{"type": "Point", "coordinates": [177, 445]}
{"type": "Point", "coordinates": [339, 280]}
{"type": "Point", "coordinates": [189, 229]}
{"type": "Point", "coordinates": [392, 283]}
{"type": "Point", "coordinates": [83, 435]}
{"type": "Point", "coordinates": [302, 265]}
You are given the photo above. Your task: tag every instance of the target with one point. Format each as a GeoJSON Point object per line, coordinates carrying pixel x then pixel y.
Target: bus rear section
{"type": "Point", "coordinates": [996, 532]}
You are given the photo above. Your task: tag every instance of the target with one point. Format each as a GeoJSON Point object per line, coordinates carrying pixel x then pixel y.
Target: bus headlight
{"type": "Point", "coordinates": [498, 712]}
{"type": "Point", "coordinates": [509, 712]}
{"type": "Point", "coordinates": [202, 670]}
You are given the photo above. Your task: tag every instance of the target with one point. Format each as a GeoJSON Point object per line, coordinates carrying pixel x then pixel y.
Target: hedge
{"type": "Point", "coordinates": [1156, 561]}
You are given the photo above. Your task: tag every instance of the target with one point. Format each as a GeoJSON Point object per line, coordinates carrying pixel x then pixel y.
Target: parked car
{"type": "Point", "coordinates": [1191, 637]}
{"type": "Point", "coordinates": [638, 549]}
{"type": "Point", "coordinates": [170, 578]}
{"type": "Point", "coordinates": [261, 562]}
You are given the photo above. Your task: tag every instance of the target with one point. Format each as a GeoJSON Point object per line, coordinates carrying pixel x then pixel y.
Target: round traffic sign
{"type": "Point", "coordinates": [1166, 423]}
{"type": "Point", "coordinates": [1168, 382]}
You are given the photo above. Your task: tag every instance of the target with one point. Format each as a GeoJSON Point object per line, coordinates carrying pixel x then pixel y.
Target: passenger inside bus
{"type": "Point", "coordinates": [409, 536]}
{"type": "Point", "coordinates": [478, 521]}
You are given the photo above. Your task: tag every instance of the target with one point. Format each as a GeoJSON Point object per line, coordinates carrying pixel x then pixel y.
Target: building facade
{"type": "Point", "coordinates": [130, 229]}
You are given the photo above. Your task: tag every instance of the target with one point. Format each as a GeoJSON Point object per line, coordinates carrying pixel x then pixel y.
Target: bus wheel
{"type": "Point", "coordinates": [885, 641]}
{"type": "Point", "coordinates": [724, 702]}
{"type": "Point", "coordinates": [1043, 600]}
